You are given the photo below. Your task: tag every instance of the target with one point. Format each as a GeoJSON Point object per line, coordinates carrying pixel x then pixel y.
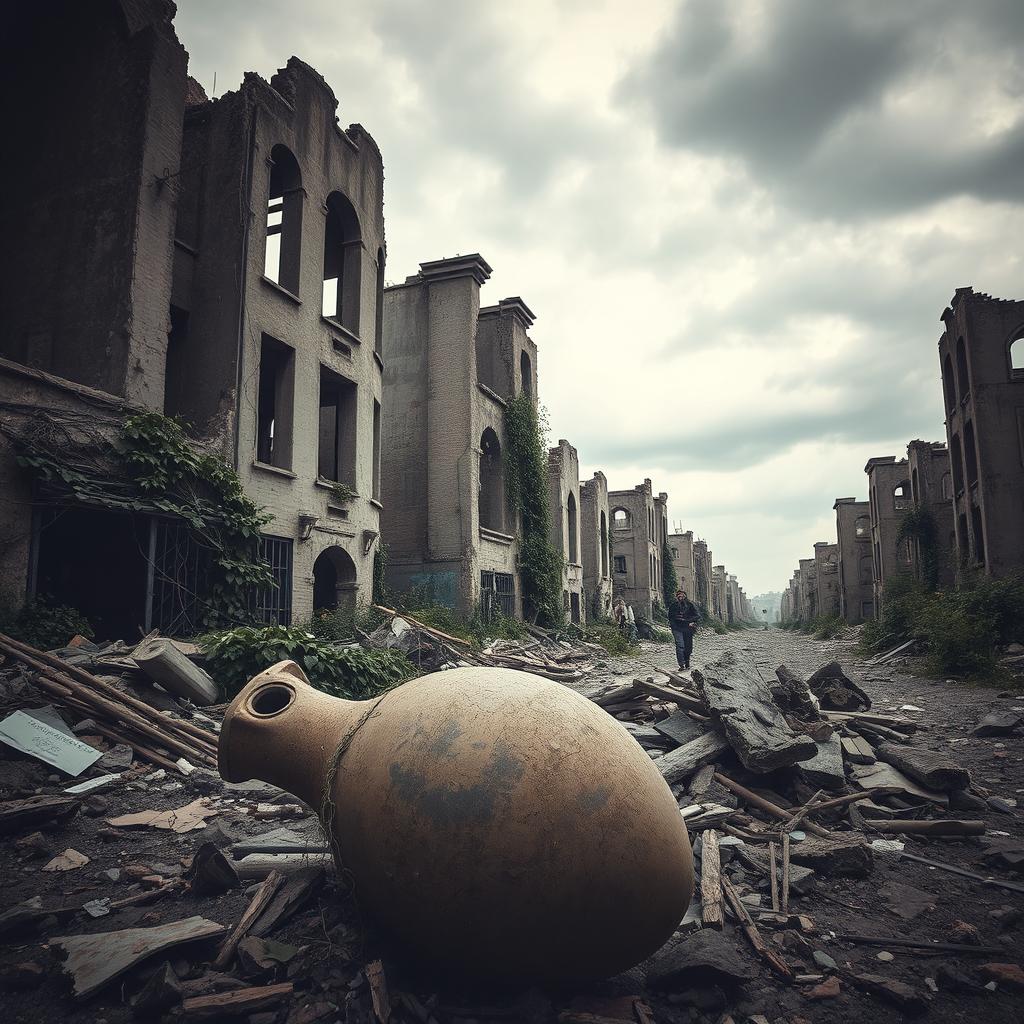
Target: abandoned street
{"type": "Point", "coordinates": [120, 871]}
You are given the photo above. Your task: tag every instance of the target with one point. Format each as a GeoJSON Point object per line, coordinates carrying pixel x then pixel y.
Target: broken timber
{"type": "Point", "coordinates": [926, 767]}
{"type": "Point", "coordinates": [711, 879]}
{"type": "Point", "coordinates": [753, 723]}
{"type": "Point", "coordinates": [685, 760]}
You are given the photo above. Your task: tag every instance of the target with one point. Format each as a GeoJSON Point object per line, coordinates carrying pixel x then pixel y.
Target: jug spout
{"type": "Point", "coordinates": [281, 730]}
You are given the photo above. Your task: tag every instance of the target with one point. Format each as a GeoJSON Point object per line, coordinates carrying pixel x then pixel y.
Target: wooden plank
{"type": "Point", "coordinates": [772, 958]}
{"type": "Point", "coordinates": [616, 695]}
{"type": "Point", "coordinates": [785, 874]}
{"type": "Point", "coordinates": [680, 727]}
{"type": "Point", "coordinates": [999, 883]}
{"type": "Point", "coordinates": [931, 769]}
{"type": "Point", "coordinates": [685, 760]}
{"type": "Point", "coordinates": [935, 827]}
{"type": "Point", "coordinates": [857, 750]}
{"type": "Point", "coordinates": [20, 815]}
{"type": "Point", "coordinates": [94, 960]}
{"type": "Point", "coordinates": [689, 701]}
{"type": "Point", "coordinates": [755, 727]}
{"type": "Point", "coordinates": [264, 894]}
{"type": "Point", "coordinates": [379, 997]}
{"type": "Point", "coordinates": [237, 1003]}
{"type": "Point", "coordinates": [765, 805]}
{"type": "Point", "coordinates": [773, 878]}
{"type": "Point", "coordinates": [711, 879]}
{"type": "Point", "coordinates": [884, 776]}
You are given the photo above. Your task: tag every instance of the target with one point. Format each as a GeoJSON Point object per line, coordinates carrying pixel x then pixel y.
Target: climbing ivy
{"type": "Point", "coordinates": [153, 468]}
{"type": "Point", "coordinates": [540, 566]}
{"type": "Point", "coordinates": [918, 526]}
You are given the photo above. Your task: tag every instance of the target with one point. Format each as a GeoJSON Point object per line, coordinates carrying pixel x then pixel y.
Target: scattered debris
{"type": "Point", "coordinates": [69, 860]}
{"type": "Point", "coordinates": [183, 819]}
{"type": "Point", "coordinates": [58, 748]}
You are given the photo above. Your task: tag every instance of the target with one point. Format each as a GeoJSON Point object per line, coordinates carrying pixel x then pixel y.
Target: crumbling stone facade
{"type": "Point", "coordinates": [681, 546]}
{"type": "Point", "coordinates": [639, 523]}
{"type": "Point", "coordinates": [702, 559]}
{"type": "Point", "coordinates": [595, 547]}
{"type": "Point", "coordinates": [889, 499]}
{"type": "Point", "coordinates": [981, 354]}
{"type": "Point", "coordinates": [450, 369]}
{"type": "Point", "coordinates": [856, 590]}
{"type": "Point", "coordinates": [933, 549]}
{"type": "Point", "coordinates": [808, 589]}
{"type": "Point", "coordinates": [564, 502]}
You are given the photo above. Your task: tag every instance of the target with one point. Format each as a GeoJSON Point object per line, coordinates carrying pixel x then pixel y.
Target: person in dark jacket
{"type": "Point", "coordinates": [683, 618]}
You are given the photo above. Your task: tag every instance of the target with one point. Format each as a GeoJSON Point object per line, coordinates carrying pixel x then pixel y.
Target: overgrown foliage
{"type": "Point", "coordinates": [540, 565]}
{"type": "Point", "coordinates": [961, 629]}
{"type": "Point", "coordinates": [154, 469]}
{"type": "Point", "coordinates": [669, 576]}
{"type": "Point", "coordinates": [917, 527]}
{"type": "Point", "coordinates": [380, 571]}
{"type": "Point", "coordinates": [44, 624]}
{"type": "Point", "coordinates": [827, 627]}
{"type": "Point", "coordinates": [234, 656]}
{"type": "Point", "coordinates": [603, 632]}
{"type": "Point", "coordinates": [474, 630]}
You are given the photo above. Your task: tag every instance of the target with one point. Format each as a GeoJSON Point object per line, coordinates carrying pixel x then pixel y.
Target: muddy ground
{"type": "Point", "coordinates": [900, 898]}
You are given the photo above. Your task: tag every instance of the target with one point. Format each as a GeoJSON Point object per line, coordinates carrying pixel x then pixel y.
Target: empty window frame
{"type": "Point", "coordinates": [956, 463]}
{"type": "Point", "coordinates": [275, 403]}
{"type": "Point", "coordinates": [978, 535]}
{"type": "Point", "coordinates": [492, 483]}
{"type": "Point", "coordinates": [378, 330]}
{"type": "Point", "coordinates": [620, 519]}
{"type": "Point", "coordinates": [571, 523]}
{"type": "Point", "coordinates": [915, 487]}
{"type": "Point", "coordinates": [284, 220]}
{"type": "Point", "coordinates": [343, 252]}
{"type": "Point", "coordinates": [526, 373]}
{"type": "Point", "coordinates": [901, 496]}
{"type": "Point", "coordinates": [1016, 354]}
{"type": "Point", "coordinates": [962, 377]}
{"type": "Point", "coordinates": [948, 383]}
{"type": "Point", "coordinates": [947, 485]}
{"type": "Point", "coordinates": [620, 563]}
{"type": "Point", "coordinates": [970, 454]}
{"type": "Point", "coordinates": [497, 594]}
{"type": "Point", "coordinates": [376, 450]}
{"type": "Point", "coordinates": [336, 454]}
{"type": "Point", "coordinates": [604, 544]}
{"type": "Point", "coordinates": [862, 527]}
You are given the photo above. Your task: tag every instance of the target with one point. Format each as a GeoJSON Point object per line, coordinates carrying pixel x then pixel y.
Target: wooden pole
{"type": "Point", "coordinates": [766, 805]}
{"type": "Point", "coordinates": [711, 879]}
{"type": "Point", "coordinates": [774, 877]}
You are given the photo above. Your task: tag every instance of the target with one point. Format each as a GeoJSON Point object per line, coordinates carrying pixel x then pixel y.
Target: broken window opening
{"type": "Point", "coordinates": [948, 384]}
{"type": "Point", "coordinates": [956, 460]}
{"type": "Point", "coordinates": [962, 540]}
{"type": "Point", "coordinates": [979, 535]}
{"type": "Point", "coordinates": [970, 454]}
{"type": "Point", "coordinates": [284, 220]}
{"type": "Point", "coordinates": [570, 515]}
{"type": "Point", "coordinates": [620, 563]}
{"type": "Point", "coordinates": [178, 382]}
{"type": "Point", "coordinates": [526, 374]}
{"type": "Point", "coordinates": [963, 378]}
{"type": "Point", "coordinates": [1017, 357]}
{"type": "Point", "coordinates": [574, 607]}
{"type": "Point", "coordinates": [604, 544]}
{"type": "Point", "coordinates": [336, 456]}
{"type": "Point", "coordinates": [273, 604]}
{"type": "Point", "coordinates": [492, 483]}
{"type": "Point", "coordinates": [901, 496]}
{"type": "Point", "coordinates": [914, 487]}
{"type": "Point", "coordinates": [343, 250]}
{"type": "Point", "coordinates": [862, 527]}
{"type": "Point", "coordinates": [376, 450]}
{"type": "Point", "coordinates": [947, 485]}
{"type": "Point", "coordinates": [275, 403]}
{"type": "Point", "coordinates": [497, 595]}
{"type": "Point", "coordinates": [620, 519]}
{"type": "Point", "coordinates": [378, 330]}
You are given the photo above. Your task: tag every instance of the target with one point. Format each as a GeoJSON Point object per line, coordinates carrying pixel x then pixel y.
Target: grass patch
{"type": "Point", "coordinates": [827, 627]}
{"type": "Point", "coordinates": [43, 624]}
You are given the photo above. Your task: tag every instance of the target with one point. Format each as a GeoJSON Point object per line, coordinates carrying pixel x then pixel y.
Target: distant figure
{"type": "Point", "coordinates": [683, 618]}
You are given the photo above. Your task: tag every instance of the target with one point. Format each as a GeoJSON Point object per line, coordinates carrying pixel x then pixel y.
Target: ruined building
{"type": "Point", "coordinates": [981, 353]}
{"type": "Point", "coordinates": [682, 549]}
{"type": "Point", "coordinates": [889, 499]}
{"type": "Point", "coordinates": [933, 556]}
{"type": "Point", "coordinates": [702, 559]}
{"type": "Point", "coordinates": [451, 368]}
{"type": "Point", "coordinates": [564, 504]}
{"type": "Point", "coordinates": [227, 259]}
{"type": "Point", "coordinates": [856, 588]}
{"type": "Point", "coordinates": [639, 526]}
{"type": "Point", "coordinates": [595, 547]}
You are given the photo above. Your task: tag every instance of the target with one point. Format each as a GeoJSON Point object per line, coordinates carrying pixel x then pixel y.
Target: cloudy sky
{"type": "Point", "coordinates": [737, 221]}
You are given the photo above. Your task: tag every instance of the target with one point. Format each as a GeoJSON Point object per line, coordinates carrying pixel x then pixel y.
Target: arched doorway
{"type": "Point", "coordinates": [334, 581]}
{"type": "Point", "coordinates": [492, 483]}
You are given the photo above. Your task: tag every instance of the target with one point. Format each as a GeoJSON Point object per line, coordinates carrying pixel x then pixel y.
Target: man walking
{"type": "Point", "coordinates": [683, 617]}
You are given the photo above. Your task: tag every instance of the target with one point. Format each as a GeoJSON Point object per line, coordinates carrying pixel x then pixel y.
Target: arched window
{"type": "Point", "coordinates": [343, 253]}
{"type": "Point", "coordinates": [492, 483]}
{"type": "Point", "coordinates": [620, 519]}
{"type": "Point", "coordinates": [956, 462]}
{"type": "Point", "coordinates": [915, 490]}
{"type": "Point", "coordinates": [947, 485]}
{"type": "Point", "coordinates": [604, 544]}
{"type": "Point", "coordinates": [570, 515]}
{"type": "Point", "coordinates": [1017, 357]}
{"type": "Point", "coordinates": [948, 384]}
{"type": "Point", "coordinates": [962, 378]}
{"type": "Point", "coordinates": [284, 220]}
{"type": "Point", "coordinates": [378, 336]}
{"type": "Point", "coordinates": [970, 454]}
{"type": "Point", "coordinates": [861, 527]}
{"type": "Point", "coordinates": [901, 496]}
{"type": "Point", "coordinates": [334, 581]}
{"type": "Point", "coordinates": [526, 373]}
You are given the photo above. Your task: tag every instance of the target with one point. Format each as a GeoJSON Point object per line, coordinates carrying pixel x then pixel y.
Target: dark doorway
{"type": "Point", "coordinates": [95, 560]}
{"type": "Point", "coordinates": [334, 581]}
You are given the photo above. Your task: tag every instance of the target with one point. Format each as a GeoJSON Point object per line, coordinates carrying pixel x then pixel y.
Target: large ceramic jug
{"type": "Point", "coordinates": [495, 824]}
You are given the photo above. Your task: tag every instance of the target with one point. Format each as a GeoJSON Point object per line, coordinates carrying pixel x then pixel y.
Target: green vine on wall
{"type": "Point", "coordinates": [153, 468]}
{"type": "Point", "coordinates": [918, 526]}
{"type": "Point", "coordinates": [669, 577]}
{"type": "Point", "coordinates": [526, 484]}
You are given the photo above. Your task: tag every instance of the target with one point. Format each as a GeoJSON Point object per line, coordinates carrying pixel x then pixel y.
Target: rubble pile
{"type": "Point", "coordinates": [137, 884]}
